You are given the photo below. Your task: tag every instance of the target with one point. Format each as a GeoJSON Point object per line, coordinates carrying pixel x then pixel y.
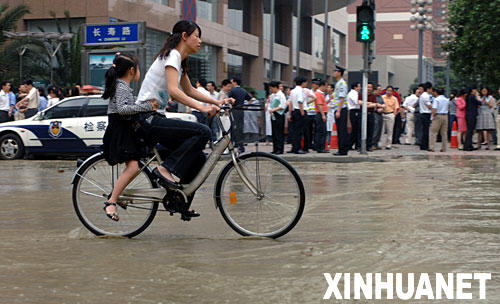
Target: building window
{"type": "Point", "coordinates": [234, 66]}
{"type": "Point", "coordinates": [235, 14]}
{"type": "Point", "coordinates": [335, 48]}
{"type": "Point", "coordinates": [338, 48]}
{"type": "Point", "coordinates": [317, 40]}
{"type": "Point", "coordinates": [207, 9]}
{"type": "Point", "coordinates": [164, 2]}
{"type": "Point", "coordinates": [276, 70]}
{"type": "Point", "coordinates": [266, 28]}
{"type": "Point", "coordinates": [294, 32]}
{"type": "Point", "coordinates": [203, 65]}
{"type": "Point", "coordinates": [154, 43]}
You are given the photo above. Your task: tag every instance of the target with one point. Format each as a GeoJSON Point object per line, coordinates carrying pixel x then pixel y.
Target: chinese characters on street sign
{"type": "Point", "coordinates": [112, 33]}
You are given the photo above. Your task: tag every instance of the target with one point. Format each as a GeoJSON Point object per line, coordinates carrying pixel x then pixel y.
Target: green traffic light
{"type": "Point", "coordinates": [365, 32]}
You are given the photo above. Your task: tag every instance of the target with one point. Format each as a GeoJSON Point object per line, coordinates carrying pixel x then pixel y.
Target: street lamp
{"type": "Point", "coordinates": [49, 37]}
{"type": "Point", "coordinates": [422, 23]}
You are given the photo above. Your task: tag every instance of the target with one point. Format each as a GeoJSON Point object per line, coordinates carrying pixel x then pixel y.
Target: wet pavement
{"type": "Point", "coordinates": [412, 214]}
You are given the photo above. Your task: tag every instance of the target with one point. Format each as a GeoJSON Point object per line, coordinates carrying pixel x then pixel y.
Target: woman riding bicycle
{"type": "Point", "coordinates": [185, 140]}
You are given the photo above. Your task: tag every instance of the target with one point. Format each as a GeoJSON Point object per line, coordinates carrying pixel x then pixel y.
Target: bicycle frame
{"type": "Point", "coordinates": [157, 194]}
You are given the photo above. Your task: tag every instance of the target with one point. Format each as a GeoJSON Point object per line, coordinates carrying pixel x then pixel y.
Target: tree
{"type": "Point", "coordinates": [455, 82]}
{"type": "Point", "coordinates": [37, 61]}
{"type": "Point", "coordinates": [9, 18]}
{"type": "Point", "coordinates": [474, 53]}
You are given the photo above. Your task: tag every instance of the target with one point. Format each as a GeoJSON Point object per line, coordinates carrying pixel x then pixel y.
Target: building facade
{"type": "Point", "coordinates": [236, 34]}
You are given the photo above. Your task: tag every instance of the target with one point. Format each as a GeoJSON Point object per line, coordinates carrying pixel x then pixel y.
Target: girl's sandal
{"type": "Point", "coordinates": [112, 215]}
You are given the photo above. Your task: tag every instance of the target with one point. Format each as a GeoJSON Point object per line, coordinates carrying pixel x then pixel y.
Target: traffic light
{"type": "Point", "coordinates": [365, 23]}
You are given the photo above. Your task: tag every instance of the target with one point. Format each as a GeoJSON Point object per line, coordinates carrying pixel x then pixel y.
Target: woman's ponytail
{"type": "Point", "coordinates": [175, 37]}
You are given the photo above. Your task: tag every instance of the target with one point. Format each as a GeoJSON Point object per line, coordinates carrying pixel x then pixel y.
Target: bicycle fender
{"type": "Point", "coordinates": [82, 164]}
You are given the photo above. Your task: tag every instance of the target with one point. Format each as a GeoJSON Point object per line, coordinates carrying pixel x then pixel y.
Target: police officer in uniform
{"type": "Point", "coordinates": [340, 108]}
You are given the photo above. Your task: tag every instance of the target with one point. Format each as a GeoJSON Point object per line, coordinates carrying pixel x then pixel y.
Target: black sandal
{"type": "Point", "coordinates": [113, 215]}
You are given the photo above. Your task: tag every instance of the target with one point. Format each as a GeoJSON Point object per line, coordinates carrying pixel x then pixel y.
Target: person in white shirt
{"type": "Point", "coordinates": [53, 98]}
{"type": "Point", "coordinates": [276, 108]}
{"type": "Point", "coordinates": [354, 115]}
{"type": "Point", "coordinates": [425, 105]}
{"type": "Point", "coordinates": [296, 130]}
{"type": "Point", "coordinates": [31, 101]}
{"type": "Point", "coordinates": [185, 139]}
{"type": "Point", "coordinates": [409, 105]}
{"type": "Point", "coordinates": [310, 109]}
{"type": "Point", "coordinates": [200, 86]}
{"type": "Point", "coordinates": [212, 89]}
{"type": "Point", "coordinates": [4, 102]}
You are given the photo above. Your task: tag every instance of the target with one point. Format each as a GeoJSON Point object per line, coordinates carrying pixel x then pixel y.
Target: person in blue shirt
{"type": "Point", "coordinates": [43, 100]}
{"type": "Point", "coordinates": [439, 112]}
{"type": "Point", "coordinates": [12, 102]}
{"type": "Point", "coordinates": [240, 95]}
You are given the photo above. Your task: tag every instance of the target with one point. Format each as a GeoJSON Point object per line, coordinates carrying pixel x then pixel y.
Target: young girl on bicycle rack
{"type": "Point", "coordinates": [119, 142]}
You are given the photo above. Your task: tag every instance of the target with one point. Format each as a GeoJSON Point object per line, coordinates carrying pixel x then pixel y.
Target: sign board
{"type": "Point", "coordinates": [189, 10]}
{"type": "Point", "coordinates": [116, 33]}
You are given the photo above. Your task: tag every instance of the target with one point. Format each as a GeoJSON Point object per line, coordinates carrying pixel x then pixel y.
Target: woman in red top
{"type": "Point", "coordinates": [462, 124]}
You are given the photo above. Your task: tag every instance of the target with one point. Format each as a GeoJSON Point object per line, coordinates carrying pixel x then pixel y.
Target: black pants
{"type": "Point", "coordinates": [425, 119]}
{"type": "Point", "coordinates": [355, 138]}
{"type": "Point", "coordinates": [278, 127]}
{"type": "Point", "coordinates": [396, 134]}
{"type": "Point", "coordinates": [342, 131]}
{"type": "Point", "coordinates": [370, 122]}
{"type": "Point", "coordinates": [30, 112]}
{"type": "Point", "coordinates": [4, 116]}
{"type": "Point", "coordinates": [418, 129]}
{"type": "Point", "coordinates": [186, 140]}
{"type": "Point", "coordinates": [309, 131]}
{"type": "Point", "coordinates": [320, 132]}
{"type": "Point", "coordinates": [471, 127]}
{"type": "Point", "coordinates": [296, 130]}
{"type": "Point", "coordinates": [237, 129]}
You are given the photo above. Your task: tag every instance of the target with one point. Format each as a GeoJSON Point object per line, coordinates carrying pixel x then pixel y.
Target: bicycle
{"type": "Point", "coordinates": [257, 193]}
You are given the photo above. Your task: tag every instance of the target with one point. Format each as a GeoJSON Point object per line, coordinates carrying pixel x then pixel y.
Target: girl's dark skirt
{"type": "Point", "coordinates": [120, 142]}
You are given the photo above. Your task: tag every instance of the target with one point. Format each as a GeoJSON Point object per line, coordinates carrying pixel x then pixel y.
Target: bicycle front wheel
{"type": "Point", "coordinates": [272, 215]}
{"type": "Point", "coordinates": [93, 183]}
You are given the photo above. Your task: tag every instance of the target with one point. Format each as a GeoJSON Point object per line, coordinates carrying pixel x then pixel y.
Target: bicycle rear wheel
{"type": "Point", "coordinates": [93, 183]}
{"type": "Point", "coordinates": [273, 215]}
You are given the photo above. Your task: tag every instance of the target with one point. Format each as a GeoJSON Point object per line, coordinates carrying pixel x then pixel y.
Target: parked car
{"type": "Point", "coordinates": [73, 126]}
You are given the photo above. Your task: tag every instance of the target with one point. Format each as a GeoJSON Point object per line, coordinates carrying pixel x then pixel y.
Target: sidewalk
{"type": "Point", "coordinates": [397, 151]}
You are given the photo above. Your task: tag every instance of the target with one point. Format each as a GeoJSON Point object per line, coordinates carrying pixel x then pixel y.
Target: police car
{"type": "Point", "coordinates": [73, 126]}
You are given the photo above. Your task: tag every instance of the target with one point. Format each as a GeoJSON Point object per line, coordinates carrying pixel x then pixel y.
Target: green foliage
{"type": "Point", "coordinates": [36, 60]}
{"type": "Point", "coordinates": [474, 53]}
{"type": "Point", "coordinates": [9, 18]}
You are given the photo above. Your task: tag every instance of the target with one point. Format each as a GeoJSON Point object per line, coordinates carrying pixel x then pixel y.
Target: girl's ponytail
{"type": "Point", "coordinates": [121, 64]}
{"type": "Point", "coordinates": [110, 89]}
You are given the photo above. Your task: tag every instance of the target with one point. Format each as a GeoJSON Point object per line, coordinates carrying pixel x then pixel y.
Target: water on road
{"type": "Point", "coordinates": [403, 215]}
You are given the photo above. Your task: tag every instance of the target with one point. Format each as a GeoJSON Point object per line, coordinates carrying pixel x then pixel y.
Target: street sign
{"type": "Point", "coordinates": [189, 10]}
{"type": "Point", "coordinates": [116, 33]}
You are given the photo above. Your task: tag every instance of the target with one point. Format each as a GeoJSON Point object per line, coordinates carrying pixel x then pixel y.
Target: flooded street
{"type": "Point", "coordinates": [408, 215]}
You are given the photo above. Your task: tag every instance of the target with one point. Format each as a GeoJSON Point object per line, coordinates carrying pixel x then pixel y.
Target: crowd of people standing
{"type": "Point", "coordinates": [28, 100]}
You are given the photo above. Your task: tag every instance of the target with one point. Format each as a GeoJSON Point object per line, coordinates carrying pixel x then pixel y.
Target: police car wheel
{"type": "Point", "coordinates": [11, 147]}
